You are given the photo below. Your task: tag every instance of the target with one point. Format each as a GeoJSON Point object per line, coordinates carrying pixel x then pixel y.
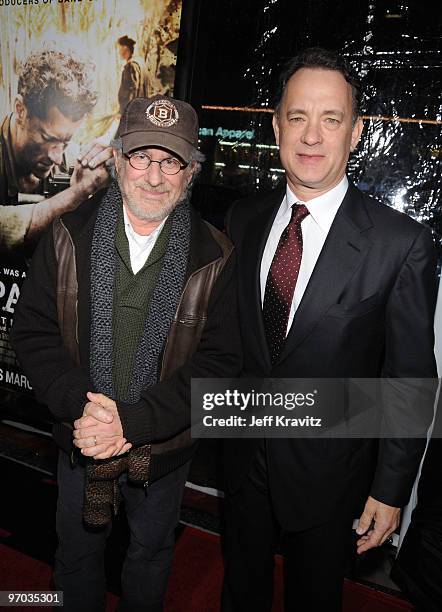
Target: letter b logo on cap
{"type": "Point", "coordinates": [162, 113]}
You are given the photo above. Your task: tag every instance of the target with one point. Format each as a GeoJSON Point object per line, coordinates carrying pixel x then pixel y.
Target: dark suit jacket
{"type": "Point", "coordinates": [367, 312]}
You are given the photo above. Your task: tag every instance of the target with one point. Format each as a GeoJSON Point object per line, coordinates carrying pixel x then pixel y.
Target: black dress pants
{"type": "Point", "coordinates": [152, 516]}
{"type": "Point", "coordinates": [315, 560]}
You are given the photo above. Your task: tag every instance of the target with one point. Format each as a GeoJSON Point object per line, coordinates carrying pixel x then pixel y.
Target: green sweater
{"type": "Point", "coordinates": [132, 295]}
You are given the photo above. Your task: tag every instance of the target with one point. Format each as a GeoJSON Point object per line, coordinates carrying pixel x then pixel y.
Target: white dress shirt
{"type": "Point", "coordinates": [140, 247]}
{"type": "Point", "coordinates": [315, 228]}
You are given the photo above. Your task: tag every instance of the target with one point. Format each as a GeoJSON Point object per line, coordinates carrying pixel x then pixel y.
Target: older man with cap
{"type": "Point", "coordinates": [128, 297]}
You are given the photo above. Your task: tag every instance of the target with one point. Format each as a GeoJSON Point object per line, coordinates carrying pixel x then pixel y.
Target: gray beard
{"type": "Point", "coordinates": [146, 215]}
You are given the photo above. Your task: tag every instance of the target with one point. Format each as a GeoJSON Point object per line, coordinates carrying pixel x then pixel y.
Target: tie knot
{"type": "Point", "coordinates": [299, 212]}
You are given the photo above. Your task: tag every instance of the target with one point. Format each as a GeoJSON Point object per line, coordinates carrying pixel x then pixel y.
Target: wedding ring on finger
{"type": "Point", "coordinates": [95, 440]}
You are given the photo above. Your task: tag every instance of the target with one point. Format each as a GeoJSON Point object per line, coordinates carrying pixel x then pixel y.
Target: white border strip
{"type": "Point", "coordinates": [24, 427]}
{"type": "Point", "coordinates": [190, 485]}
{"type": "Point", "coordinates": [28, 465]}
{"type": "Point", "coordinates": [206, 490]}
{"type": "Point", "coordinates": [199, 528]}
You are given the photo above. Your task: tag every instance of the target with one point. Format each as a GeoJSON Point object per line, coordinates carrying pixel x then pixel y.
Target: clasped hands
{"type": "Point", "coordinates": [99, 433]}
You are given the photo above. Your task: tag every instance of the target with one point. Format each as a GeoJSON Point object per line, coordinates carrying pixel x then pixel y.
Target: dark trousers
{"type": "Point", "coordinates": [152, 516]}
{"type": "Point", "coordinates": [315, 560]}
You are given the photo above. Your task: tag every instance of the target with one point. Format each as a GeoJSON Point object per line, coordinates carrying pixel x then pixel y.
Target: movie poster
{"type": "Point", "coordinates": [67, 68]}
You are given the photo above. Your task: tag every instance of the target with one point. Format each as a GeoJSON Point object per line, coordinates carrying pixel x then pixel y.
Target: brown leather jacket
{"type": "Point", "coordinates": [186, 328]}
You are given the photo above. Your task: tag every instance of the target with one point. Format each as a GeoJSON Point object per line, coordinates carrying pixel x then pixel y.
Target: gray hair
{"type": "Point", "coordinates": [117, 144]}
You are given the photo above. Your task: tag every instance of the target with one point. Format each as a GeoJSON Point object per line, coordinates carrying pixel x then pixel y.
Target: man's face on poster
{"type": "Point", "coordinates": [41, 141]}
{"type": "Point", "coordinates": [124, 52]}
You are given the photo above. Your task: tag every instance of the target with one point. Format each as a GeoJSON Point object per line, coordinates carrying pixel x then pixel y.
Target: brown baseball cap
{"type": "Point", "coordinates": [159, 121]}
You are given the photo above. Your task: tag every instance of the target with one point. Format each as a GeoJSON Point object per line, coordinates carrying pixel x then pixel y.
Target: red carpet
{"type": "Point", "coordinates": [195, 584]}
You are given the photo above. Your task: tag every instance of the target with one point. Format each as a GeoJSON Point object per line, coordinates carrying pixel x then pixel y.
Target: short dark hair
{"type": "Point", "coordinates": [317, 57]}
{"type": "Point", "coordinates": [51, 78]}
{"type": "Point", "coordinates": [125, 41]}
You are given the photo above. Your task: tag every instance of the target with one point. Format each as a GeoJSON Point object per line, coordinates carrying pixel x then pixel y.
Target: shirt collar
{"type": "Point", "coordinates": [139, 239]}
{"type": "Point", "coordinates": [322, 209]}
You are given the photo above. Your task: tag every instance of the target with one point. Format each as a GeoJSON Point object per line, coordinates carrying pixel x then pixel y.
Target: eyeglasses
{"type": "Point", "coordinates": [141, 161]}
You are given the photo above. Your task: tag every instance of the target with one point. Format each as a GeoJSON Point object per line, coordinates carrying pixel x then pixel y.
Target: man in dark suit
{"type": "Point", "coordinates": [332, 285]}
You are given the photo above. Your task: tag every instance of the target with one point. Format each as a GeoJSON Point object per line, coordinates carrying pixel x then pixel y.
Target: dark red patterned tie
{"type": "Point", "coordinates": [281, 282]}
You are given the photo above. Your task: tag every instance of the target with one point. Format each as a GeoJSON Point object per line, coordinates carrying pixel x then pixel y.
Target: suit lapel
{"type": "Point", "coordinates": [343, 253]}
{"type": "Point", "coordinates": [254, 245]}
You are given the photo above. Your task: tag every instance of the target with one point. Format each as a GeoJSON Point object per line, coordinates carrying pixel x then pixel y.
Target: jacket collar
{"type": "Point", "coordinates": [258, 230]}
{"type": "Point", "coordinates": [203, 247]}
{"type": "Point", "coordinates": [342, 255]}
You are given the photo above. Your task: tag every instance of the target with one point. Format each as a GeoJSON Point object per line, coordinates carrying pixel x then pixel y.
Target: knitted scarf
{"type": "Point", "coordinates": [102, 492]}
